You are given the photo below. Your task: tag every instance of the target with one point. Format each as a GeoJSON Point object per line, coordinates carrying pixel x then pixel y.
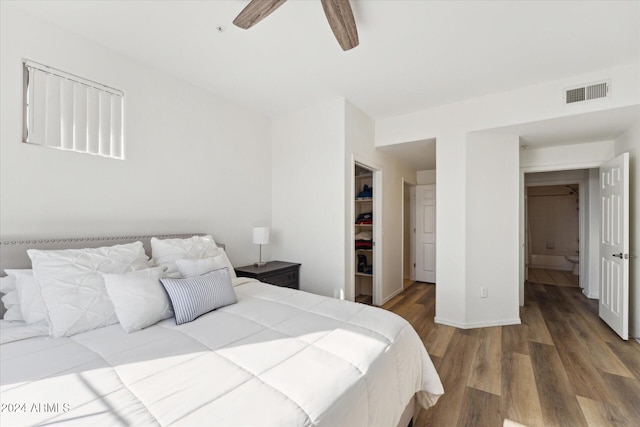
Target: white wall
{"type": "Point", "coordinates": [193, 162]}
{"type": "Point", "coordinates": [523, 105]}
{"type": "Point", "coordinates": [574, 156]}
{"type": "Point", "coordinates": [492, 234]}
{"type": "Point", "coordinates": [360, 144]}
{"type": "Point", "coordinates": [312, 196]}
{"type": "Point", "coordinates": [308, 198]}
{"type": "Point", "coordinates": [450, 125]}
{"type": "Point", "coordinates": [426, 177]}
{"type": "Point", "coordinates": [630, 142]}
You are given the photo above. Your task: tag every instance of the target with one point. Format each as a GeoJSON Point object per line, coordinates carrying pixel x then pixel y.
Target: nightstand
{"type": "Point", "coordinates": [279, 273]}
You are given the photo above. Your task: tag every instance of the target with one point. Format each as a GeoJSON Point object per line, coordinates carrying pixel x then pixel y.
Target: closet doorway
{"type": "Point", "coordinates": [366, 221]}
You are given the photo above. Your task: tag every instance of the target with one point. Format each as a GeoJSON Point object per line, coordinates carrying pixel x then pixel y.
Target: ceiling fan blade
{"type": "Point", "coordinates": [255, 12]}
{"type": "Point", "coordinates": [342, 24]}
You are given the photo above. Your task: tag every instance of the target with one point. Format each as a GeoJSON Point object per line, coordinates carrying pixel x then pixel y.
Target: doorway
{"type": "Point", "coordinates": [365, 267]}
{"type": "Point", "coordinates": [426, 233]}
{"type": "Point", "coordinates": [560, 221]}
{"type": "Point", "coordinates": [553, 219]}
{"type": "Point", "coordinates": [408, 233]}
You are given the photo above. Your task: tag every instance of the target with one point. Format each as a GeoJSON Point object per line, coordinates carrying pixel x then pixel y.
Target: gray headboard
{"type": "Point", "coordinates": [13, 251]}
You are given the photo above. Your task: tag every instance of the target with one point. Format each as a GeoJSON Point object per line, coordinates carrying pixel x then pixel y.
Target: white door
{"type": "Point", "coordinates": [614, 244]}
{"type": "Point", "coordinates": [426, 233]}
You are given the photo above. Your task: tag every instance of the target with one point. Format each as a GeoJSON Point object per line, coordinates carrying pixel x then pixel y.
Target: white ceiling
{"type": "Point", "coordinates": [413, 54]}
{"type": "Point", "coordinates": [420, 155]}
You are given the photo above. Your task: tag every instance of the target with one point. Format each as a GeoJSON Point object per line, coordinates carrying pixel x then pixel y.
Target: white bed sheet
{"type": "Point", "coordinates": [15, 331]}
{"type": "Point", "coordinates": [279, 357]}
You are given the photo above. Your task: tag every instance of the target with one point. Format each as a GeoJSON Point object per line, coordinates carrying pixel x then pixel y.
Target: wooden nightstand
{"type": "Point", "coordinates": [279, 273]}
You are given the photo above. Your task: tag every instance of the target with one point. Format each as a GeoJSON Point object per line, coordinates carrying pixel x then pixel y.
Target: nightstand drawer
{"type": "Point", "coordinates": [288, 279]}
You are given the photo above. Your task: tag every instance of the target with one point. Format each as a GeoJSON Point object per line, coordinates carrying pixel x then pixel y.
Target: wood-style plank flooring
{"type": "Point", "coordinates": [561, 367]}
{"type": "Point", "coordinates": [545, 276]}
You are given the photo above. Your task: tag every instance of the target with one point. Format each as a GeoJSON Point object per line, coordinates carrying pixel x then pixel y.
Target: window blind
{"type": "Point", "coordinates": [67, 112]}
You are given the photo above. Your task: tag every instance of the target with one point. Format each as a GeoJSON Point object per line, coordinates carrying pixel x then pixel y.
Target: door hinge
{"type": "Point", "coordinates": [414, 265]}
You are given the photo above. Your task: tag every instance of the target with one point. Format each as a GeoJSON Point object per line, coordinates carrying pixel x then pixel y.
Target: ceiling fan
{"type": "Point", "coordinates": [338, 14]}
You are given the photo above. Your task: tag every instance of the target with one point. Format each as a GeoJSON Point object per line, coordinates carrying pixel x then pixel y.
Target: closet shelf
{"type": "Point", "coordinates": [363, 274]}
{"type": "Point", "coordinates": [368, 199]}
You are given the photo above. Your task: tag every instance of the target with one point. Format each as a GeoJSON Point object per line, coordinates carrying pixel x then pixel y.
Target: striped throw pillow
{"type": "Point", "coordinates": [194, 296]}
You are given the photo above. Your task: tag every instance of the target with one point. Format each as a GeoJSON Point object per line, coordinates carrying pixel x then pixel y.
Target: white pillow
{"type": "Point", "coordinates": [32, 306]}
{"type": "Point", "coordinates": [198, 267]}
{"type": "Point", "coordinates": [73, 287]}
{"type": "Point", "coordinates": [139, 298]}
{"type": "Point", "coordinates": [12, 304]}
{"type": "Point", "coordinates": [7, 283]}
{"type": "Point", "coordinates": [165, 252]}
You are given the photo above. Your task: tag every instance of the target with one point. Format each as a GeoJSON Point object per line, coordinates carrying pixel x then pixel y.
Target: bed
{"type": "Point", "coordinates": [277, 357]}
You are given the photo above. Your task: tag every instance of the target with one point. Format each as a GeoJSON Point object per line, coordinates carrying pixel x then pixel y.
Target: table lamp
{"type": "Point", "coordinates": [260, 237]}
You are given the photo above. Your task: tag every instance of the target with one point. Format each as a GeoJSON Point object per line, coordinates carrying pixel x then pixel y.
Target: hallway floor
{"type": "Point", "coordinates": [545, 276]}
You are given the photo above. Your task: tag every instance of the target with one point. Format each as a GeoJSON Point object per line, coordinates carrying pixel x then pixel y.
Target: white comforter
{"type": "Point", "coordinates": [279, 357]}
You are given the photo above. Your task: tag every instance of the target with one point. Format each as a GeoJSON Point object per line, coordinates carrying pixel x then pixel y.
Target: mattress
{"type": "Point", "coordinates": [279, 357]}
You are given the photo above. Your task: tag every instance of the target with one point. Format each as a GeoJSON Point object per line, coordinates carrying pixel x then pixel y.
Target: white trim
{"type": "Point", "coordinates": [63, 74]}
{"type": "Point", "coordinates": [561, 167]}
{"type": "Point", "coordinates": [475, 325]}
{"type": "Point", "coordinates": [590, 295]}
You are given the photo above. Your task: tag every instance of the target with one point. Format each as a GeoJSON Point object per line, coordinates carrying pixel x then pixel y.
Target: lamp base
{"type": "Point", "coordinates": [259, 264]}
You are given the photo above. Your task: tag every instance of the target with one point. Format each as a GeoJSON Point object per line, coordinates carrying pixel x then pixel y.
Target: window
{"type": "Point", "coordinates": [71, 113]}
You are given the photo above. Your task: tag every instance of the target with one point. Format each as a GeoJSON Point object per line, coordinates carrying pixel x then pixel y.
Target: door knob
{"type": "Point", "coordinates": [618, 255]}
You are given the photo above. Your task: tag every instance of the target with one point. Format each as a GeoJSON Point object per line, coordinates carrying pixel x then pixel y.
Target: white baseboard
{"type": "Point", "coordinates": [590, 295]}
{"type": "Point", "coordinates": [393, 294]}
{"type": "Point", "coordinates": [474, 325]}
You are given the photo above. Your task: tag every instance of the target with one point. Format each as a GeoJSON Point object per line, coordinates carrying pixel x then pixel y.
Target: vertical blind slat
{"type": "Point", "coordinates": [105, 123]}
{"type": "Point", "coordinates": [52, 127]}
{"type": "Point", "coordinates": [39, 108]}
{"type": "Point", "coordinates": [66, 114]}
{"type": "Point", "coordinates": [93, 119]}
{"type": "Point", "coordinates": [80, 117]}
{"type": "Point", "coordinates": [116, 126]}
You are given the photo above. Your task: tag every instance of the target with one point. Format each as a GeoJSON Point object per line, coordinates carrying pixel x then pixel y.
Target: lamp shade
{"type": "Point", "coordinates": [260, 235]}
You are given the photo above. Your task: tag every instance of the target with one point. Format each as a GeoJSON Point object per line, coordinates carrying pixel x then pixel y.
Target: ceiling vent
{"type": "Point", "coordinates": [587, 92]}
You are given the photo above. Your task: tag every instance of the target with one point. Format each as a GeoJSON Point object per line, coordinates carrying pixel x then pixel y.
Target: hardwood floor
{"type": "Point", "coordinates": [545, 276]}
{"type": "Point", "coordinates": [561, 367]}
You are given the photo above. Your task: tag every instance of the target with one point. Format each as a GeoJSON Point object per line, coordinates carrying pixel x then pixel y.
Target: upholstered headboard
{"type": "Point", "coordinates": [13, 251]}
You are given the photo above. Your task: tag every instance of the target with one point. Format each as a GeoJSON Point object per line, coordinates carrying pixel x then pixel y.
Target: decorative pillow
{"type": "Point", "coordinates": [73, 287]}
{"type": "Point", "coordinates": [32, 306]}
{"type": "Point", "coordinates": [139, 298]}
{"type": "Point", "coordinates": [12, 304]}
{"type": "Point", "coordinates": [165, 252]}
{"type": "Point", "coordinates": [195, 296]}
